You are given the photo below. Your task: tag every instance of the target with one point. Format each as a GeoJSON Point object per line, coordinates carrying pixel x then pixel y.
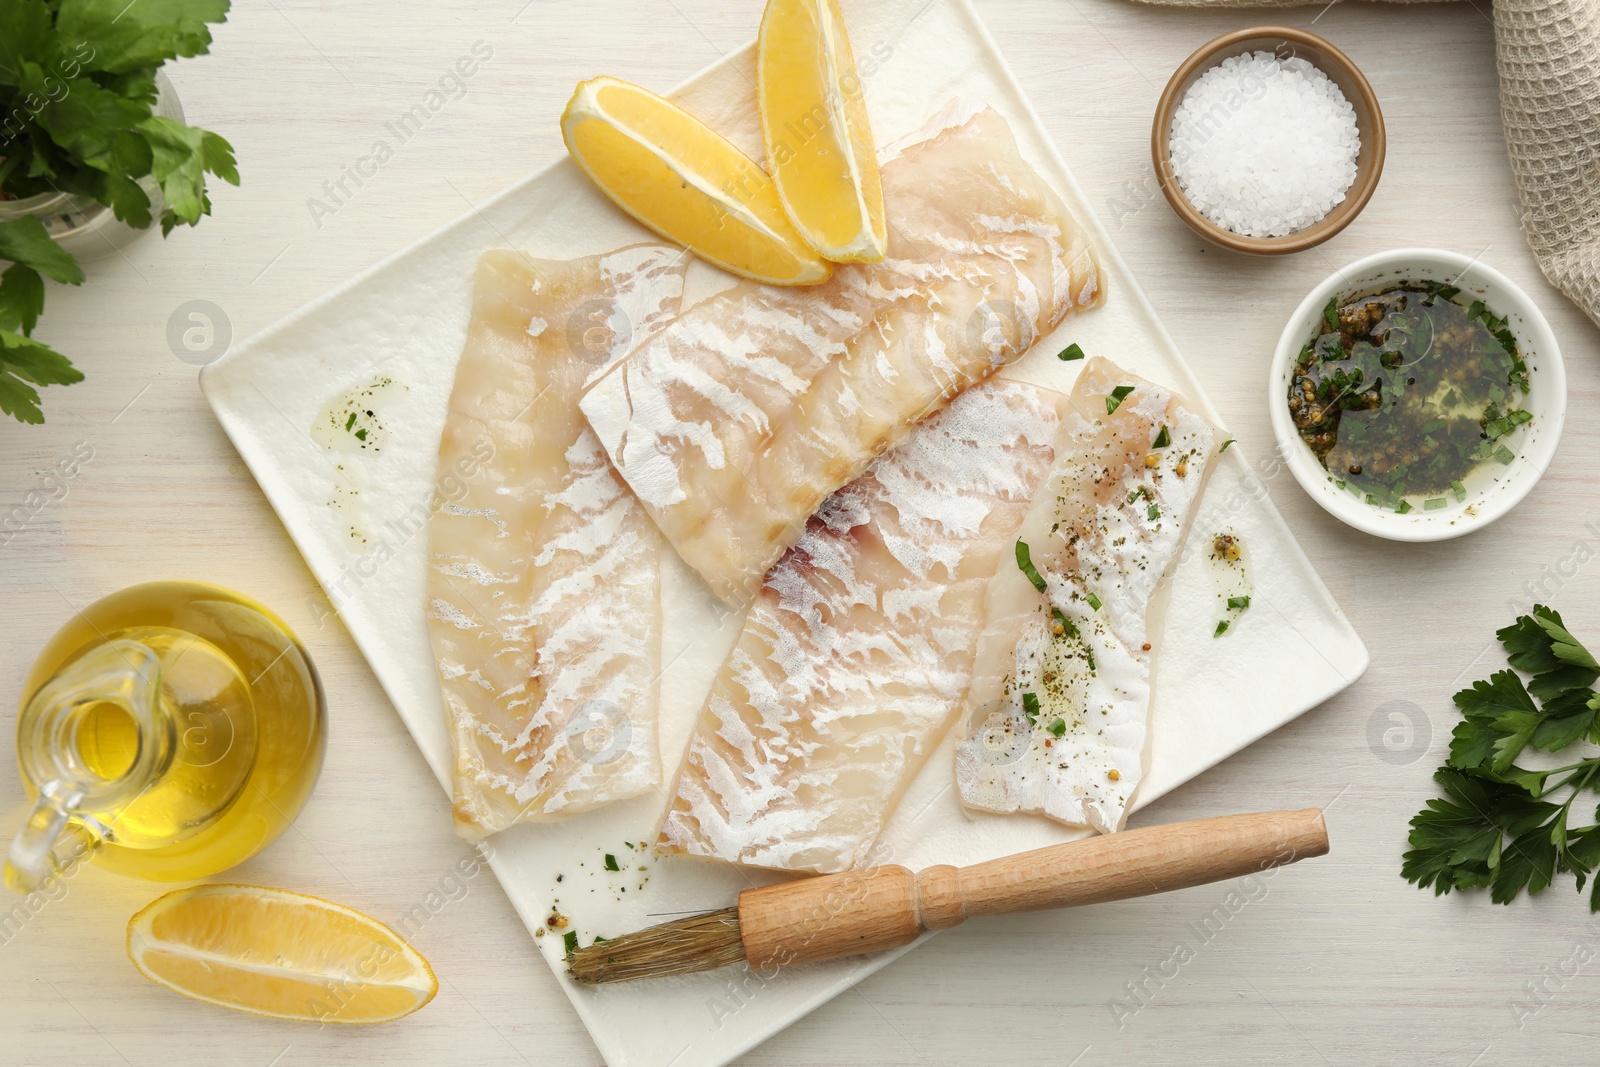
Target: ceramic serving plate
{"type": "Point", "coordinates": [397, 330]}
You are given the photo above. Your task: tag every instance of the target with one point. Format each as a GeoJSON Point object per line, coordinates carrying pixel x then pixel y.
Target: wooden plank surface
{"type": "Point", "coordinates": [1336, 960]}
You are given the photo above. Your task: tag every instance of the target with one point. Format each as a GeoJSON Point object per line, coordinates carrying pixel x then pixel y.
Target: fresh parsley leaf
{"type": "Point", "coordinates": [1540, 644]}
{"type": "Point", "coordinates": [1118, 395]}
{"type": "Point", "coordinates": [1070, 353]}
{"type": "Point", "coordinates": [85, 119]}
{"type": "Point", "coordinates": [24, 36]}
{"type": "Point", "coordinates": [181, 156]}
{"type": "Point", "coordinates": [1330, 314]}
{"type": "Point", "coordinates": [1502, 825]}
{"type": "Point", "coordinates": [21, 298]}
{"type": "Point", "coordinates": [1568, 718]}
{"type": "Point", "coordinates": [1058, 727]}
{"type": "Point", "coordinates": [1238, 603]}
{"type": "Point", "coordinates": [25, 241]}
{"type": "Point", "coordinates": [1503, 717]}
{"type": "Point", "coordinates": [22, 359]}
{"type": "Point", "coordinates": [569, 941]}
{"type": "Point", "coordinates": [1458, 843]}
{"type": "Point", "coordinates": [1030, 707]}
{"type": "Point", "coordinates": [1025, 563]}
{"type": "Point", "coordinates": [127, 36]}
{"type": "Point", "coordinates": [611, 863]}
{"type": "Point", "coordinates": [1163, 438]}
{"type": "Point", "coordinates": [1222, 628]}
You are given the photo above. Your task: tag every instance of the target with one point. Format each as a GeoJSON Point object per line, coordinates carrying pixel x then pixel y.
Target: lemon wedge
{"type": "Point", "coordinates": [280, 954]}
{"type": "Point", "coordinates": [686, 182]}
{"type": "Point", "coordinates": [814, 120]}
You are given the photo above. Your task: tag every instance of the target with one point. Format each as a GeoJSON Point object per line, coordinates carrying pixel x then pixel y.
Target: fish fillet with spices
{"type": "Point", "coordinates": [856, 653]}
{"type": "Point", "coordinates": [1057, 715]}
{"type": "Point", "coordinates": [734, 423]}
{"type": "Point", "coordinates": [544, 589]}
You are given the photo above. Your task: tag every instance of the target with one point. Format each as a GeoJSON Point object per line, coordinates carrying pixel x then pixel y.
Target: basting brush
{"type": "Point", "coordinates": [813, 919]}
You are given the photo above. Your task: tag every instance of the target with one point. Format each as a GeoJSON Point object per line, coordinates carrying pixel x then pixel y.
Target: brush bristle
{"type": "Point", "coordinates": [697, 943]}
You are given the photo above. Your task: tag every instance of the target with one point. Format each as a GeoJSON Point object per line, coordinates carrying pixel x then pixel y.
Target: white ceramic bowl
{"type": "Point", "coordinates": [1492, 491]}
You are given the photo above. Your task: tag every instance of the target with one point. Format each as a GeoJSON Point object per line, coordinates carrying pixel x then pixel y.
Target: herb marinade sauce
{"type": "Point", "coordinates": [1406, 391]}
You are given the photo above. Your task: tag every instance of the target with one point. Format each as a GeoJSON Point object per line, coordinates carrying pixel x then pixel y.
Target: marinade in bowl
{"type": "Point", "coordinates": [1407, 393]}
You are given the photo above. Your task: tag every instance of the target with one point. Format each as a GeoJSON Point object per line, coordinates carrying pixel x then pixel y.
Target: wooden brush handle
{"type": "Point", "coordinates": [884, 907]}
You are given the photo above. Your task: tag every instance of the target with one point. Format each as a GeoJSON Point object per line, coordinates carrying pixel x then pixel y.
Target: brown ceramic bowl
{"type": "Point", "coordinates": [1285, 42]}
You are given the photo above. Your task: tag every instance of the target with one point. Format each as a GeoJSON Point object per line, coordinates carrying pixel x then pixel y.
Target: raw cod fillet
{"type": "Point", "coordinates": [543, 594]}
{"type": "Point", "coordinates": [740, 418]}
{"type": "Point", "coordinates": [1103, 532]}
{"type": "Point", "coordinates": [856, 653]}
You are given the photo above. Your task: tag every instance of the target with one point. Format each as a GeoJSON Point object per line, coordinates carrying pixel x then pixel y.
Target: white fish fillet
{"type": "Point", "coordinates": [856, 653]}
{"type": "Point", "coordinates": [1105, 528]}
{"type": "Point", "coordinates": [740, 418]}
{"type": "Point", "coordinates": [544, 590]}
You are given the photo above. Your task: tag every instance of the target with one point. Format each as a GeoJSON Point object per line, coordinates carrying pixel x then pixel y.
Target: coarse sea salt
{"type": "Point", "coordinates": [1264, 146]}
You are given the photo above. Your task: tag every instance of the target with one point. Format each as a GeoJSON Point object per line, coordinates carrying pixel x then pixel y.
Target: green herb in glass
{"type": "Point", "coordinates": [77, 116]}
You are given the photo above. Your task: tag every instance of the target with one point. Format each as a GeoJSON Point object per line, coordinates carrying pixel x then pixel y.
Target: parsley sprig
{"type": "Point", "coordinates": [1501, 824]}
{"type": "Point", "coordinates": [77, 115]}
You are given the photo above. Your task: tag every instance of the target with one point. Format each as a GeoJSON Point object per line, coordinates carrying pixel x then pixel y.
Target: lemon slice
{"type": "Point", "coordinates": [280, 954]}
{"type": "Point", "coordinates": [686, 182]}
{"type": "Point", "coordinates": [814, 120]}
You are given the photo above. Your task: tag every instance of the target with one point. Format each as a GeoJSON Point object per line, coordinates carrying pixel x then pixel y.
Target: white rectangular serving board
{"type": "Point", "coordinates": [406, 320]}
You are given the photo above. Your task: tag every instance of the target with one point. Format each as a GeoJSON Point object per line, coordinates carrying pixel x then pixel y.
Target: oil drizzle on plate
{"type": "Point", "coordinates": [349, 426]}
{"type": "Point", "coordinates": [1229, 567]}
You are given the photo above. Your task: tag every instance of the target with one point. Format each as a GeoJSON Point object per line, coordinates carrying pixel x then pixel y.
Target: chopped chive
{"type": "Point", "coordinates": [1118, 395]}
{"type": "Point", "coordinates": [1222, 628]}
{"type": "Point", "coordinates": [1238, 603]}
{"type": "Point", "coordinates": [611, 863]}
{"type": "Point", "coordinates": [1070, 353]}
{"type": "Point", "coordinates": [570, 940]}
{"type": "Point", "coordinates": [1504, 454]}
{"type": "Point", "coordinates": [1402, 507]}
{"type": "Point", "coordinates": [1094, 601]}
{"type": "Point", "coordinates": [1434, 503]}
{"type": "Point", "coordinates": [598, 939]}
{"type": "Point", "coordinates": [1461, 490]}
{"type": "Point", "coordinates": [1225, 445]}
{"type": "Point", "coordinates": [351, 421]}
{"type": "Point", "coordinates": [1030, 708]}
{"type": "Point", "coordinates": [1152, 513]}
{"type": "Point", "coordinates": [1066, 624]}
{"type": "Point", "coordinates": [1163, 439]}
{"type": "Point", "coordinates": [1058, 726]}
{"type": "Point", "coordinates": [361, 434]}
{"type": "Point", "coordinates": [1025, 562]}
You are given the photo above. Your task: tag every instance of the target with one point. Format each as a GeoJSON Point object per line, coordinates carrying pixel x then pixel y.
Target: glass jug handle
{"type": "Point", "coordinates": [125, 673]}
{"type": "Point", "coordinates": [31, 858]}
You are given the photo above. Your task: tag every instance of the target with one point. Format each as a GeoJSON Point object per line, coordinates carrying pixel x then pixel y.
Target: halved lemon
{"type": "Point", "coordinates": [686, 182]}
{"type": "Point", "coordinates": [814, 120]}
{"type": "Point", "coordinates": [280, 954]}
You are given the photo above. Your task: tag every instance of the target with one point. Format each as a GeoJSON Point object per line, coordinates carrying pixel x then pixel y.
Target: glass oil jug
{"type": "Point", "coordinates": [172, 729]}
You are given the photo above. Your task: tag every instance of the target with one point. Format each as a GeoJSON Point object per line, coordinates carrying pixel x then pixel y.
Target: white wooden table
{"type": "Point", "coordinates": [1335, 961]}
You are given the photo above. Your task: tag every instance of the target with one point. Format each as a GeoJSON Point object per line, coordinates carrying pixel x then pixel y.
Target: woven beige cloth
{"type": "Point", "coordinates": [1549, 60]}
